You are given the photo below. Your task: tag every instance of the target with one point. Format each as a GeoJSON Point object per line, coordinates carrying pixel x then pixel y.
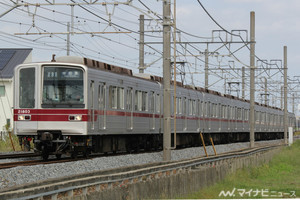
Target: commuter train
{"type": "Point", "coordinates": [76, 105]}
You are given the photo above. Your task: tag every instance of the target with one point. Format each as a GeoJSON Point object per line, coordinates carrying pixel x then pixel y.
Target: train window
{"type": "Point", "coordinates": [101, 96]}
{"type": "Point", "coordinates": [239, 113]}
{"type": "Point", "coordinates": [208, 111]}
{"type": "Point", "coordinates": [179, 105]}
{"type": "Point", "coordinates": [121, 98]}
{"type": "Point", "coordinates": [243, 114]}
{"type": "Point", "coordinates": [201, 109]}
{"type": "Point", "coordinates": [198, 108]}
{"type": "Point", "coordinates": [233, 112]}
{"type": "Point", "coordinates": [113, 97]}
{"type": "Point", "coordinates": [157, 103]}
{"type": "Point", "coordinates": [129, 99]}
{"type": "Point", "coordinates": [248, 113]}
{"type": "Point", "coordinates": [116, 97]}
{"type": "Point", "coordinates": [62, 87]}
{"type": "Point", "coordinates": [141, 101]}
{"type": "Point", "coordinates": [151, 103]}
{"type": "Point", "coordinates": [205, 109]}
{"type": "Point", "coordinates": [145, 101]}
{"type": "Point", "coordinates": [224, 111]}
{"type": "Point", "coordinates": [216, 110]}
{"type": "Point", "coordinates": [27, 88]}
{"type": "Point", "coordinates": [193, 107]}
{"type": "Point", "coordinates": [190, 107]}
{"type": "Point", "coordinates": [184, 106]}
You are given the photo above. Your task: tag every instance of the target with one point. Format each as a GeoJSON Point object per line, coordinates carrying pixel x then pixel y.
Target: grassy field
{"type": "Point", "coordinates": [6, 146]}
{"type": "Point", "coordinates": [280, 178]}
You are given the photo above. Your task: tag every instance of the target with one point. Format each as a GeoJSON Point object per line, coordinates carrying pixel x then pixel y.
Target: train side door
{"type": "Point", "coordinates": [199, 112]}
{"type": "Point", "coordinates": [152, 110]}
{"type": "Point", "coordinates": [229, 117]}
{"type": "Point", "coordinates": [92, 106]}
{"type": "Point", "coordinates": [102, 106]}
{"type": "Point", "coordinates": [129, 107]}
{"type": "Point", "coordinates": [185, 113]}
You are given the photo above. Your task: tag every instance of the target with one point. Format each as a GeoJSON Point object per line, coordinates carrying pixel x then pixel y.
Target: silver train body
{"type": "Point", "coordinates": [81, 105]}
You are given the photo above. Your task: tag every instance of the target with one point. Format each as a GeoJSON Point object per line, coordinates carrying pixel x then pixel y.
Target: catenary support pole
{"type": "Point", "coordinates": [141, 45]}
{"type": "Point", "coordinates": [206, 68]}
{"type": "Point", "coordinates": [167, 79]}
{"type": "Point", "coordinates": [285, 94]}
{"type": "Point", "coordinates": [252, 78]}
{"type": "Point", "coordinates": [281, 98]}
{"type": "Point", "coordinates": [243, 82]}
{"type": "Point", "coordinates": [293, 103]}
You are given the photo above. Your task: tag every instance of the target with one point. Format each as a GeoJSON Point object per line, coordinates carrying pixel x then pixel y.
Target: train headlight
{"type": "Point", "coordinates": [75, 117]}
{"type": "Point", "coordinates": [24, 117]}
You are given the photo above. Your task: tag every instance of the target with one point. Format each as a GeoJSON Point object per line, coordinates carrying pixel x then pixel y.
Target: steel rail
{"type": "Point", "coordinates": [83, 181]}
{"type": "Point", "coordinates": [18, 155]}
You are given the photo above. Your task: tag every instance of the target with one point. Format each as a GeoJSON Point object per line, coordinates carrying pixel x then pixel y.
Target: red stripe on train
{"type": "Point", "coordinates": [50, 111]}
{"type": "Point", "coordinates": [63, 115]}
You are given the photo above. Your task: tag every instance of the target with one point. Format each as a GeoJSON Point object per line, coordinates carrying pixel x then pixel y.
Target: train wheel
{"type": "Point", "coordinates": [74, 154]}
{"type": "Point", "coordinates": [86, 153]}
{"type": "Point", "coordinates": [45, 153]}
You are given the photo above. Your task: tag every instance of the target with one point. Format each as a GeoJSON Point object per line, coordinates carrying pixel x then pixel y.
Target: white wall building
{"type": "Point", "coordinates": [9, 59]}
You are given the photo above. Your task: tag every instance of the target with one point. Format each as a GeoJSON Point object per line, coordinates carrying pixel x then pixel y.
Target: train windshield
{"type": "Point", "coordinates": [62, 87]}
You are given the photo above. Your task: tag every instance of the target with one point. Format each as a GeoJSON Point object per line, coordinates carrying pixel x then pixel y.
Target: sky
{"type": "Point", "coordinates": [276, 26]}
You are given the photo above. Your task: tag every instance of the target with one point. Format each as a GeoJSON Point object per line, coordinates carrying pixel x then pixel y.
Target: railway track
{"type": "Point", "coordinates": [34, 162]}
{"type": "Point", "coordinates": [121, 176]}
{"type": "Point", "coordinates": [18, 155]}
{"type": "Point", "coordinates": [7, 165]}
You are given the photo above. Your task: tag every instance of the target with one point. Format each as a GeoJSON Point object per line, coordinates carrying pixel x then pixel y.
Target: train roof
{"type": "Point", "coordinates": [124, 71]}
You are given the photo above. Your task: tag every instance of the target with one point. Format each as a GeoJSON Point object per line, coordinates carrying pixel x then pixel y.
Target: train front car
{"type": "Point", "coordinates": [50, 107]}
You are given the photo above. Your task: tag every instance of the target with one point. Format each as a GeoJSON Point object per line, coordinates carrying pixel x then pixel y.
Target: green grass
{"type": "Point", "coordinates": [6, 146]}
{"type": "Point", "coordinates": [281, 175]}
{"type": "Point", "coordinates": [297, 133]}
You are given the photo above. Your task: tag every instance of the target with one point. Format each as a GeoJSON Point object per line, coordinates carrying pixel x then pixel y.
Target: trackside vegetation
{"type": "Point", "coordinates": [6, 146]}
{"type": "Point", "coordinates": [278, 179]}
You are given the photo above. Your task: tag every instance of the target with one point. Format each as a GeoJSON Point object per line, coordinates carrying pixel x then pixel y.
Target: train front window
{"type": "Point", "coordinates": [62, 87]}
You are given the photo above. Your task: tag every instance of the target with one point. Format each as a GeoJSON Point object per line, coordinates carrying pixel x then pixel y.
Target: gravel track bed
{"type": "Point", "coordinates": [28, 174]}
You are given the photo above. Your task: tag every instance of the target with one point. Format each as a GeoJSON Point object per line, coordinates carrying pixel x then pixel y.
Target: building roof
{"type": "Point", "coordinates": [10, 58]}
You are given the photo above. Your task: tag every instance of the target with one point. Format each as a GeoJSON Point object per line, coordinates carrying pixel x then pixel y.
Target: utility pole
{"type": "Point", "coordinates": [167, 79]}
{"type": "Point", "coordinates": [252, 78]}
{"type": "Point", "coordinates": [243, 82]}
{"type": "Point", "coordinates": [281, 98]}
{"type": "Point", "coordinates": [206, 68]}
{"type": "Point", "coordinates": [141, 45]}
{"type": "Point", "coordinates": [285, 94]}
